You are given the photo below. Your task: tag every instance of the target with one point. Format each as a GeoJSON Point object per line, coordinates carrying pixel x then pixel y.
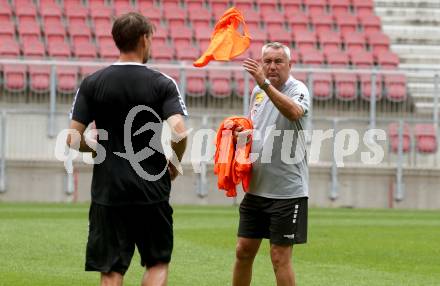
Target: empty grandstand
{"type": "Point", "coordinates": [368, 64]}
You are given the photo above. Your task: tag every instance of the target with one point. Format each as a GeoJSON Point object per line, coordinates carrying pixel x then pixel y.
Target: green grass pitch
{"type": "Point", "coordinates": [44, 244]}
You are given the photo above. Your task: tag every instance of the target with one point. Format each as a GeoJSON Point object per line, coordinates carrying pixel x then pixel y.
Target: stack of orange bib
{"type": "Point", "coordinates": [226, 42]}
{"type": "Point", "coordinates": [231, 161]}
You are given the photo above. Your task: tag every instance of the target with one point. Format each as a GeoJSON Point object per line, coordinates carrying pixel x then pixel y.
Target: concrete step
{"type": "Point", "coordinates": [407, 34]}
{"type": "Point", "coordinates": [424, 107]}
{"type": "Point", "coordinates": [408, 3]}
{"type": "Point", "coordinates": [412, 16]}
{"type": "Point", "coordinates": [419, 58]}
{"type": "Point", "coordinates": [416, 49]}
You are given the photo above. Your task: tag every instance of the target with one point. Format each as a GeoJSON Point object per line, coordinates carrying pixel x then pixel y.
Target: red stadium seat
{"type": "Point", "coordinates": [145, 4]}
{"type": "Point", "coordinates": [298, 22]}
{"type": "Point", "coordinates": [39, 78]}
{"type": "Point", "coordinates": [105, 41]}
{"type": "Point", "coordinates": [80, 34]}
{"type": "Point", "coordinates": [152, 13]}
{"type": "Point", "coordinates": [363, 7]}
{"type": "Point", "coordinates": [370, 23]}
{"type": "Point", "coordinates": [195, 83]}
{"type": "Point", "coordinates": [322, 86]}
{"type": "Point", "coordinates": [162, 53]}
{"type": "Point", "coordinates": [26, 12]}
{"type": "Point", "coordinates": [84, 51]}
{"type": "Point", "coordinates": [181, 35]}
{"type": "Point", "coordinates": [33, 49]}
{"type": "Point", "coordinates": [255, 52]}
{"type": "Point", "coordinates": [108, 51]}
{"type": "Point", "coordinates": [76, 14]}
{"type": "Point", "coordinates": [387, 60]}
{"type": "Point", "coordinates": [100, 14]}
{"type": "Point", "coordinates": [315, 6]}
{"type": "Point", "coordinates": [54, 33]}
{"type": "Point", "coordinates": [239, 80]}
{"type": "Point", "coordinates": [313, 58]}
{"type": "Point", "coordinates": [9, 49]}
{"type": "Point", "coordinates": [170, 4]}
{"type": "Point", "coordinates": [339, 6]}
{"type": "Point", "coordinates": [305, 39]}
{"type": "Point", "coordinates": [200, 17]}
{"type": "Point", "coordinates": [218, 5]}
{"type": "Point", "coordinates": [365, 80]}
{"type": "Point", "coordinates": [220, 83]}
{"type": "Point", "coordinates": [160, 36]}
{"type": "Point", "coordinates": [7, 29]}
{"type": "Point", "coordinates": [29, 30]}
{"type": "Point", "coordinates": [243, 5]}
{"type": "Point", "coordinates": [259, 36]}
{"type": "Point", "coordinates": [354, 42]}
{"type": "Point", "coordinates": [395, 87]}
{"type": "Point", "coordinates": [252, 18]}
{"type": "Point", "coordinates": [267, 6]}
{"type": "Point", "coordinates": [347, 23]}
{"type": "Point", "coordinates": [50, 11]}
{"type": "Point", "coordinates": [194, 4]}
{"type": "Point", "coordinates": [362, 59]}
{"type": "Point", "coordinates": [291, 6]}
{"type": "Point", "coordinates": [393, 133]}
{"type": "Point", "coordinates": [426, 138]}
{"type": "Point", "coordinates": [175, 16]}
{"type": "Point", "coordinates": [123, 8]}
{"type": "Point", "coordinates": [105, 30]}
{"type": "Point", "coordinates": [279, 34]}
{"type": "Point", "coordinates": [330, 41]}
{"type": "Point", "coordinates": [379, 42]}
{"type": "Point", "coordinates": [14, 77]}
{"type": "Point", "coordinates": [295, 57]}
{"type": "Point", "coordinates": [203, 35]}
{"type": "Point", "coordinates": [301, 76]}
{"type": "Point", "coordinates": [321, 22]}
{"type": "Point", "coordinates": [346, 86]}
{"type": "Point", "coordinates": [187, 53]}
{"type": "Point", "coordinates": [67, 79]}
{"type": "Point", "coordinates": [337, 59]}
{"type": "Point", "coordinates": [273, 19]}
{"type": "Point", "coordinates": [5, 12]}
{"type": "Point", "coordinates": [58, 50]}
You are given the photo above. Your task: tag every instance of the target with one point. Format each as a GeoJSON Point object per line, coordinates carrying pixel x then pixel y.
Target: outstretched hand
{"type": "Point", "coordinates": [255, 69]}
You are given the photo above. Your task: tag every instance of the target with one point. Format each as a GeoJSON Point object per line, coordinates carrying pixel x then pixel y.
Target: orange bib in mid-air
{"type": "Point", "coordinates": [226, 42]}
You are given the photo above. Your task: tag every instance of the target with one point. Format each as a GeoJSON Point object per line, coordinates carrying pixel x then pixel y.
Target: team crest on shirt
{"type": "Point", "coordinates": [259, 97]}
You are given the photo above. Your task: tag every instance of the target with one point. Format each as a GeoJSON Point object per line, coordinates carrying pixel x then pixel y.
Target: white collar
{"type": "Point", "coordinates": [128, 64]}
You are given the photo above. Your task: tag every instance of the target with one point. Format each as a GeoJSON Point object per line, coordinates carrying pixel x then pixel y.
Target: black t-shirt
{"type": "Point", "coordinates": [108, 97]}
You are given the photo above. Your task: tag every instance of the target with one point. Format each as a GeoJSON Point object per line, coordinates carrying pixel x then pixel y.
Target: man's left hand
{"type": "Point", "coordinates": [255, 69]}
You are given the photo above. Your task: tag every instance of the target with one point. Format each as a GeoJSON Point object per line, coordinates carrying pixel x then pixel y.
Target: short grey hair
{"type": "Point", "coordinates": [276, 45]}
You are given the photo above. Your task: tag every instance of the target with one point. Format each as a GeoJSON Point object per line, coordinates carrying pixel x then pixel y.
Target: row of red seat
{"type": "Point", "coordinates": [425, 137]}
{"type": "Point", "coordinates": [51, 7]}
{"type": "Point", "coordinates": [220, 82]}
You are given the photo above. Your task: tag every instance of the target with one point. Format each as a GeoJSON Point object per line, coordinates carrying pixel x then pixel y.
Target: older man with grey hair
{"type": "Point", "coordinates": [276, 205]}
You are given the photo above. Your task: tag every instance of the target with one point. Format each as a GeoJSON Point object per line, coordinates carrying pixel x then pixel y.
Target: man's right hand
{"type": "Point", "coordinates": [239, 133]}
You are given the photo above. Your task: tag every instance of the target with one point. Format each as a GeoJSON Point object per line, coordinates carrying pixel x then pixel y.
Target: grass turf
{"type": "Point", "coordinates": [44, 244]}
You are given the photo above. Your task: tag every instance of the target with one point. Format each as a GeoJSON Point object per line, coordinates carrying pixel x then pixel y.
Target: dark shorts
{"type": "Point", "coordinates": [115, 231]}
{"type": "Point", "coordinates": [283, 221]}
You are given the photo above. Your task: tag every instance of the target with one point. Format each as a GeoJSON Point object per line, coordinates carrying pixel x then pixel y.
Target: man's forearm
{"type": "Point", "coordinates": [284, 104]}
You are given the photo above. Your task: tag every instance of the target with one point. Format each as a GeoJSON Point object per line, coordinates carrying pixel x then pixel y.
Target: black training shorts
{"type": "Point", "coordinates": [114, 232]}
{"type": "Point", "coordinates": [283, 221]}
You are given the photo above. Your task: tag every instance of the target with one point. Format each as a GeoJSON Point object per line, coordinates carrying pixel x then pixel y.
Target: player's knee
{"type": "Point", "coordinates": [244, 252]}
{"type": "Point", "coordinates": [280, 257]}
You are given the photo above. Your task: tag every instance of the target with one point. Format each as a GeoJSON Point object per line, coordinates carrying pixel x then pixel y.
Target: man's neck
{"type": "Point", "coordinates": [130, 57]}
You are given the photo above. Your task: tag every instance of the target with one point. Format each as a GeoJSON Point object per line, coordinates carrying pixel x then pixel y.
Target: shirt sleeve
{"type": "Point", "coordinates": [300, 95]}
{"type": "Point", "coordinates": [81, 109]}
{"type": "Point", "coordinates": [173, 101]}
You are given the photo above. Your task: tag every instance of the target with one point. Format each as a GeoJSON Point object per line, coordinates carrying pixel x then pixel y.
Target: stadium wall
{"type": "Point", "coordinates": [358, 186]}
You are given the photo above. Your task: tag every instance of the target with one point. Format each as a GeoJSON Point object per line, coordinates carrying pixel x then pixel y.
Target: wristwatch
{"type": "Point", "coordinates": [265, 84]}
